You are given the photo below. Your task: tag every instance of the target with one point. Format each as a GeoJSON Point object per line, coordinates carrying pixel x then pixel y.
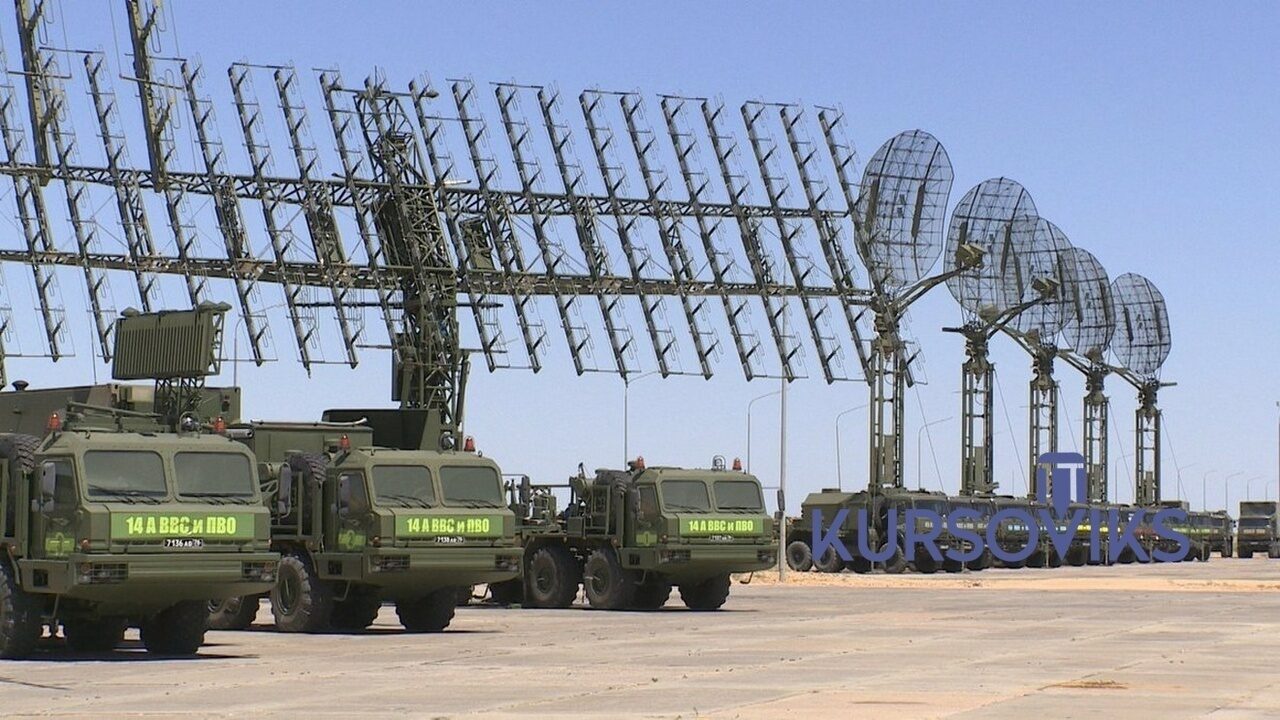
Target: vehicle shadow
{"type": "Point", "coordinates": [56, 650]}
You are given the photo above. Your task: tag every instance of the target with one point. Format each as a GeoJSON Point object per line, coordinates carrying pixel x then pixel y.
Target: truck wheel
{"type": "Point", "coordinates": [178, 630]}
{"type": "Point", "coordinates": [1077, 556]}
{"type": "Point", "coordinates": [236, 613]}
{"type": "Point", "coordinates": [707, 595]}
{"type": "Point", "coordinates": [20, 625]}
{"type": "Point", "coordinates": [1273, 552]}
{"type": "Point", "coordinates": [652, 594]}
{"type": "Point", "coordinates": [924, 563]}
{"type": "Point", "coordinates": [508, 592]}
{"type": "Point", "coordinates": [1245, 554]}
{"type": "Point", "coordinates": [799, 556]}
{"type": "Point", "coordinates": [608, 585]}
{"type": "Point", "coordinates": [93, 634]}
{"type": "Point", "coordinates": [952, 566]}
{"type": "Point", "coordinates": [1054, 559]}
{"type": "Point", "coordinates": [432, 613]}
{"type": "Point", "coordinates": [897, 563]}
{"type": "Point", "coordinates": [859, 565]}
{"type": "Point", "coordinates": [830, 561]}
{"type": "Point", "coordinates": [551, 578]}
{"type": "Point", "coordinates": [464, 595]}
{"type": "Point", "coordinates": [300, 601]}
{"type": "Point", "coordinates": [982, 562]}
{"type": "Point", "coordinates": [358, 611]}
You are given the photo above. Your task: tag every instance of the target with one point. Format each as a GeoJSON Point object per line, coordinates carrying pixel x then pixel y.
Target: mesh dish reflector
{"type": "Point", "coordinates": [994, 216]}
{"type": "Point", "coordinates": [1141, 340]}
{"type": "Point", "coordinates": [1048, 258]}
{"type": "Point", "coordinates": [1092, 323]}
{"type": "Point", "coordinates": [167, 345]}
{"type": "Point", "coordinates": [901, 208]}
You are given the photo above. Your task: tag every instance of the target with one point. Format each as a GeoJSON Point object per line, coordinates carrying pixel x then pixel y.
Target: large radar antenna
{"type": "Point", "coordinates": [998, 216]}
{"type": "Point", "coordinates": [1036, 329]}
{"type": "Point", "coordinates": [1140, 346]}
{"type": "Point", "coordinates": [1086, 337]}
{"type": "Point", "coordinates": [899, 215]}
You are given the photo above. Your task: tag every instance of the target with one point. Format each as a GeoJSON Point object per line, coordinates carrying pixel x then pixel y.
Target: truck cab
{"type": "Point", "coordinates": [359, 524]}
{"type": "Point", "coordinates": [111, 521]}
{"type": "Point", "coordinates": [1257, 530]}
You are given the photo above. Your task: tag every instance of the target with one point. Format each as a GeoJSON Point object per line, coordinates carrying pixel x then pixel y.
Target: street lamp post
{"type": "Point", "coordinates": [753, 401]}
{"type": "Point", "coordinates": [919, 435]}
{"type": "Point", "coordinates": [1204, 489]}
{"type": "Point", "coordinates": [626, 413]}
{"type": "Point", "coordinates": [1226, 490]}
{"type": "Point", "coordinates": [1248, 486]}
{"type": "Point", "coordinates": [839, 471]}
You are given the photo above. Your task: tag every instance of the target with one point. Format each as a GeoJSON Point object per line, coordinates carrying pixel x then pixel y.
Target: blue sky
{"type": "Point", "coordinates": [1146, 131]}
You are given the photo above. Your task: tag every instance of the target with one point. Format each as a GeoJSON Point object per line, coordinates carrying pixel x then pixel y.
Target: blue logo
{"type": "Point", "coordinates": [1054, 526]}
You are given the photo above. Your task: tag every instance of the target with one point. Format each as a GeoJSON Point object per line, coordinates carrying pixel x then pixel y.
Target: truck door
{"type": "Point", "coordinates": [54, 508]}
{"type": "Point", "coordinates": [648, 519]}
{"type": "Point", "coordinates": [346, 530]}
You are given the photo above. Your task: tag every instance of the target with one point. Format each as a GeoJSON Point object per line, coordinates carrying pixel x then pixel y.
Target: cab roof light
{"type": "Point", "coordinates": [737, 464]}
{"type": "Point", "coordinates": [220, 425]}
{"type": "Point", "coordinates": [469, 444]}
{"type": "Point", "coordinates": [344, 443]}
{"type": "Point", "coordinates": [54, 423]}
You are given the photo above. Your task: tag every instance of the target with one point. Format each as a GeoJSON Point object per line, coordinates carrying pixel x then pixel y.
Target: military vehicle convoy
{"type": "Point", "coordinates": [1257, 529]}
{"type": "Point", "coordinates": [110, 517]}
{"type": "Point", "coordinates": [628, 536]}
{"type": "Point", "coordinates": [358, 524]}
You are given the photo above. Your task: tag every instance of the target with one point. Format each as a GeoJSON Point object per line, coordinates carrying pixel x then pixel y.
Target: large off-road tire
{"type": "Point", "coordinates": [952, 566]}
{"type": "Point", "coordinates": [1052, 558]}
{"type": "Point", "coordinates": [924, 562]}
{"type": "Point", "coordinates": [508, 592]}
{"type": "Point", "coordinates": [178, 630]}
{"type": "Point", "coordinates": [20, 625]}
{"type": "Point", "coordinates": [428, 614]}
{"type": "Point", "coordinates": [982, 562]}
{"type": "Point", "coordinates": [551, 578]}
{"type": "Point", "coordinates": [709, 594]}
{"type": "Point", "coordinates": [465, 594]}
{"type": "Point", "coordinates": [651, 594]}
{"type": "Point", "coordinates": [608, 585]}
{"type": "Point", "coordinates": [1273, 552]}
{"type": "Point", "coordinates": [236, 613]}
{"type": "Point", "coordinates": [93, 634]}
{"type": "Point", "coordinates": [799, 556]}
{"type": "Point", "coordinates": [357, 611]}
{"type": "Point", "coordinates": [896, 564]}
{"type": "Point", "coordinates": [300, 601]}
{"type": "Point", "coordinates": [19, 451]}
{"type": "Point", "coordinates": [1245, 554]}
{"type": "Point", "coordinates": [1077, 556]}
{"type": "Point", "coordinates": [859, 565]}
{"type": "Point", "coordinates": [830, 562]}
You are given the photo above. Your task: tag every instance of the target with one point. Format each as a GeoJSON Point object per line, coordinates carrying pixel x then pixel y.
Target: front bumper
{"type": "Point", "coordinates": [156, 580]}
{"type": "Point", "coordinates": [679, 560]}
{"type": "Point", "coordinates": [413, 571]}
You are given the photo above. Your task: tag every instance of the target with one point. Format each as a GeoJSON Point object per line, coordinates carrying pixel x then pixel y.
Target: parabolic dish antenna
{"type": "Point", "coordinates": [992, 216]}
{"type": "Point", "coordinates": [1092, 322]}
{"type": "Point", "coordinates": [1048, 257]}
{"type": "Point", "coordinates": [902, 207]}
{"type": "Point", "coordinates": [1141, 340]}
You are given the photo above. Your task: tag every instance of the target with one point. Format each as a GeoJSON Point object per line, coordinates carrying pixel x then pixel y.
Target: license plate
{"type": "Point", "coordinates": [184, 543]}
{"type": "Point", "coordinates": [450, 539]}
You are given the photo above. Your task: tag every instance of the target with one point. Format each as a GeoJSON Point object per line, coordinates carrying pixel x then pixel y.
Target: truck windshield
{"type": "Point", "coordinates": [474, 486]}
{"type": "Point", "coordinates": [405, 485]}
{"type": "Point", "coordinates": [213, 475]}
{"type": "Point", "coordinates": [738, 495]}
{"type": "Point", "coordinates": [124, 475]}
{"type": "Point", "coordinates": [1254, 522]}
{"type": "Point", "coordinates": [685, 495]}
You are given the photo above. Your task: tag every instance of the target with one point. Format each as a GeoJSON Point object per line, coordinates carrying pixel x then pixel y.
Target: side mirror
{"type": "Point", "coordinates": [284, 492]}
{"type": "Point", "coordinates": [344, 495]}
{"type": "Point", "coordinates": [48, 480]}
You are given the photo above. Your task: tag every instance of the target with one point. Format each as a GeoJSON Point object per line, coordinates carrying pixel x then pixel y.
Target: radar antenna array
{"type": "Point", "coordinates": [1140, 345]}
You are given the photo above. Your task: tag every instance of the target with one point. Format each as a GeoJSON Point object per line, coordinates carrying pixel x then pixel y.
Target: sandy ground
{"type": "Point", "coordinates": [1169, 641]}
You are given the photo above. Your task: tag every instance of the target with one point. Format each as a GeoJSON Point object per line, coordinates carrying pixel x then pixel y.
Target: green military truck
{"type": "Point", "coordinates": [830, 501]}
{"type": "Point", "coordinates": [629, 536]}
{"type": "Point", "coordinates": [110, 521]}
{"type": "Point", "coordinates": [1257, 529]}
{"type": "Point", "coordinates": [358, 524]}
{"type": "Point", "coordinates": [1221, 533]}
